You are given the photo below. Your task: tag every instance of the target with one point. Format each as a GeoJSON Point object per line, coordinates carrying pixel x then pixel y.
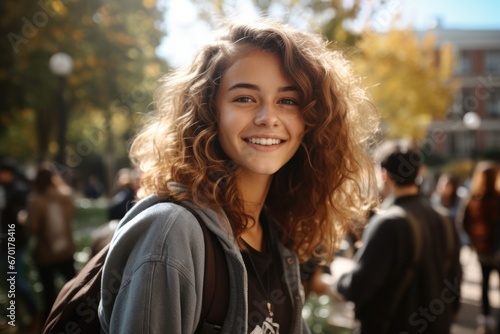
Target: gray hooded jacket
{"type": "Point", "coordinates": [153, 275]}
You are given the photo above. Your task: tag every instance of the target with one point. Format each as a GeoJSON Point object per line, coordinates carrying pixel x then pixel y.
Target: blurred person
{"type": "Point", "coordinates": [50, 220]}
{"type": "Point", "coordinates": [395, 291]}
{"type": "Point", "coordinates": [93, 189]}
{"type": "Point", "coordinates": [479, 216]}
{"type": "Point", "coordinates": [102, 236]}
{"type": "Point", "coordinates": [262, 135]}
{"type": "Point", "coordinates": [446, 194]}
{"type": "Point", "coordinates": [14, 190]}
{"type": "Point", "coordinates": [126, 185]}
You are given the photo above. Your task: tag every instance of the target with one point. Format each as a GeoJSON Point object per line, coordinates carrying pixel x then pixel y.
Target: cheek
{"type": "Point", "coordinates": [228, 127]}
{"type": "Point", "coordinates": [296, 127]}
{"type": "Point", "coordinates": [228, 131]}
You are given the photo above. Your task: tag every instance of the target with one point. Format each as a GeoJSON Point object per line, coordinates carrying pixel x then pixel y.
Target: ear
{"type": "Point", "coordinates": [386, 177]}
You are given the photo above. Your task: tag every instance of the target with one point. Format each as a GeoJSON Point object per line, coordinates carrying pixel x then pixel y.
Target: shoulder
{"type": "Point", "coordinates": [157, 221]}
{"type": "Point", "coordinates": [387, 226]}
{"type": "Point", "coordinates": [157, 252]}
{"type": "Point", "coordinates": [441, 212]}
{"type": "Point", "coordinates": [65, 190]}
{"type": "Point", "coordinates": [159, 232]}
{"type": "Point", "coordinates": [61, 194]}
{"type": "Point", "coordinates": [388, 219]}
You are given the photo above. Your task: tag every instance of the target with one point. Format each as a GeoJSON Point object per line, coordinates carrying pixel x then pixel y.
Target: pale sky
{"type": "Point", "coordinates": [186, 32]}
{"type": "Point", "coordinates": [461, 14]}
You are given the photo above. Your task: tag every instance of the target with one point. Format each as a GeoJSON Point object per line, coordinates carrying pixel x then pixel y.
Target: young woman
{"type": "Point", "coordinates": [50, 221]}
{"type": "Point", "coordinates": [479, 216]}
{"type": "Point", "coordinates": [265, 135]}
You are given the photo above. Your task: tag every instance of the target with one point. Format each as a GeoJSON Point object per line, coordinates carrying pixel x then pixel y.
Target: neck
{"type": "Point", "coordinates": [253, 189]}
{"type": "Point", "coordinates": [404, 191]}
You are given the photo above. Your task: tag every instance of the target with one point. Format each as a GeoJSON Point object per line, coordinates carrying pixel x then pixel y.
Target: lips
{"type": "Point", "coordinates": [265, 141]}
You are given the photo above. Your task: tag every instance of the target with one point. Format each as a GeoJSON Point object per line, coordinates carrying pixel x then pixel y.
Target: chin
{"type": "Point", "coordinates": [263, 171]}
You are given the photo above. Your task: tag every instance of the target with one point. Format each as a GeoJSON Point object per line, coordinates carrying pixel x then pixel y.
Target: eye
{"type": "Point", "coordinates": [288, 101]}
{"type": "Point", "coordinates": [243, 99]}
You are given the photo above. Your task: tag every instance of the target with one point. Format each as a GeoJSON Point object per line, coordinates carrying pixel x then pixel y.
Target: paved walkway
{"type": "Point", "coordinates": [471, 294]}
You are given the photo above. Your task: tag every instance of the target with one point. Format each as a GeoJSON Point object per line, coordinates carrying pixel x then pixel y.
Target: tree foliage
{"type": "Point", "coordinates": [408, 79]}
{"type": "Point", "coordinates": [112, 43]}
{"type": "Point", "coordinates": [328, 16]}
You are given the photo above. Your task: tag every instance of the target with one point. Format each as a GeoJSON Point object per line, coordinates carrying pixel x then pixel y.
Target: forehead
{"type": "Point", "coordinates": [242, 49]}
{"type": "Point", "coordinates": [255, 63]}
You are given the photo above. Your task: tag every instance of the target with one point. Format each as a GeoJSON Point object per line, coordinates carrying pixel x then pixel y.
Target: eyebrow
{"type": "Point", "coordinates": [244, 85]}
{"type": "Point", "coordinates": [257, 88]}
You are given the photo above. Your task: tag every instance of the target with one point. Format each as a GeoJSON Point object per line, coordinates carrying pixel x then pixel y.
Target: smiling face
{"type": "Point", "coordinates": [260, 121]}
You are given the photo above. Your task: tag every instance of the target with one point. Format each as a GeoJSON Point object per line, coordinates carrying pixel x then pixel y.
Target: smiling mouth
{"type": "Point", "coordinates": [265, 141]}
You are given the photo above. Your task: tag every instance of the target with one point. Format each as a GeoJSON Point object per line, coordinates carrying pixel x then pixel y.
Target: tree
{"type": "Point", "coordinates": [409, 80]}
{"type": "Point", "coordinates": [328, 16]}
{"type": "Point", "coordinates": [113, 44]}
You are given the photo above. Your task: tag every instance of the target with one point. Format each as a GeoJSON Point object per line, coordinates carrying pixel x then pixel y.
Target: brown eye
{"type": "Point", "coordinates": [289, 102]}
{"type": "Point", "coordinates": [243, 99]}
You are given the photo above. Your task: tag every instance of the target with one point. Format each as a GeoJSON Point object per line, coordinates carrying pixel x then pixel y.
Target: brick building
{"type": "Point", "coordinates": [477, 73]}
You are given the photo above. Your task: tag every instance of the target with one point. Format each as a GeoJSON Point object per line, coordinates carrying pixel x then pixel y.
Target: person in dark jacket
{"type": "Point", "coordinates": [127, 183]}
{"type": "Point", "coordinates": [395, 291]}
{"type": "Point", "coordinates": [479, 216]}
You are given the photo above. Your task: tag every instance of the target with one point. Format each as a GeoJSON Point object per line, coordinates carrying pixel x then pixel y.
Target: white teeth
{"type": "Point", "coordinates": [264, 141]}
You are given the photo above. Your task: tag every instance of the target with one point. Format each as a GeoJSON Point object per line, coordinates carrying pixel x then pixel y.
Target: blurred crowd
{"type": "Point", "coordinates": [471, 204]}
{"type": "Point", "coordinates": [37, 232]}
{"type": "Point", "coordinates": [41, 211]}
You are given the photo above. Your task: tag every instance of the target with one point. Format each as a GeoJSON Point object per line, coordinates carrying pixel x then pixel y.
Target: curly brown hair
{"type": "Point", "coordinates": [326, 185]}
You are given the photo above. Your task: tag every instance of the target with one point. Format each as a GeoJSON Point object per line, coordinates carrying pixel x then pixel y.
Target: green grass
{"type": "Point", "coordinates": [318, 312]}
{"type": "Point", "coordinates": [87, 220]}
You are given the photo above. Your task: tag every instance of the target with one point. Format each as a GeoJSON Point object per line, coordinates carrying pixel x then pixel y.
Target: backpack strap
{"type": "Point", "coordinates": [72, 302]}
{"type": "Point", "coordinates": [215, 284]}
{"type": "Point", "coordinates": [417, 233]}
{"type": "Point", "coordinates": [86, 285]}
{"type": "Point", "coordinates": [450, 233]}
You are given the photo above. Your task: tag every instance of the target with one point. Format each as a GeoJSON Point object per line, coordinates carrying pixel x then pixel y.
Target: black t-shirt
{"type": "Point", "coordinates": [271, 288]}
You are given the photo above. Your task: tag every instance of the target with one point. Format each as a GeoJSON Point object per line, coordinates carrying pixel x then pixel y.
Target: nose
{"type": "Point", "coordinates": [267, 115]}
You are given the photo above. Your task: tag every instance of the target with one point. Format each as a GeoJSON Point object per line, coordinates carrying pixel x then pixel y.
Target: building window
{"type": "Point", "coordinates": [492, 140]}
{"type": "Point", "coordinates": [464, 144]}
{"type": "Point", "coordinates": [492, 61]}
{"type": "Point", "coordinates": [469, 100]}
{"type": "Point", "coordinates": [464, 63]}
{"type": "Point", "coordinates": [493, 104]}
